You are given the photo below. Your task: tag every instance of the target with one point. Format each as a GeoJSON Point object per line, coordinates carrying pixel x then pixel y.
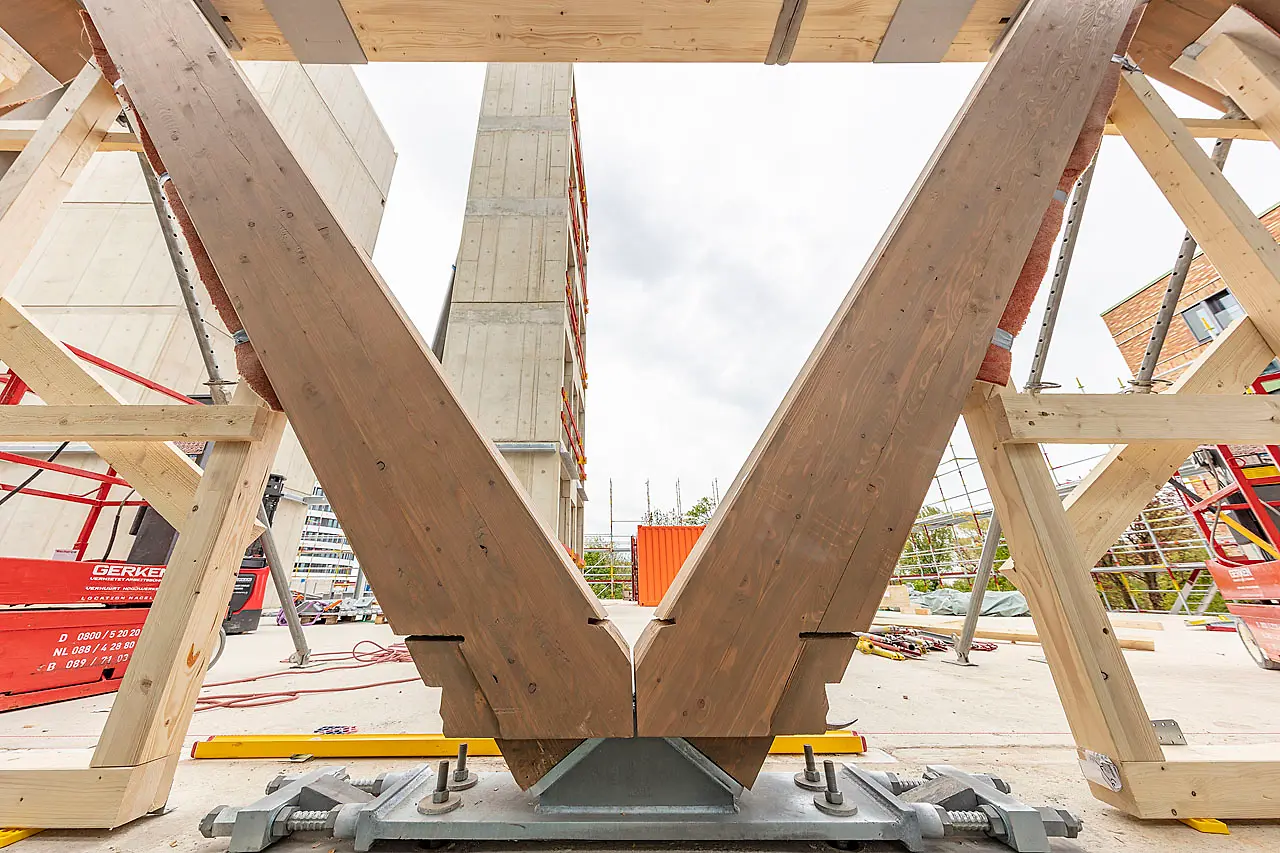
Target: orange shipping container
{"type": "Point", "coordinates": [660, 552]}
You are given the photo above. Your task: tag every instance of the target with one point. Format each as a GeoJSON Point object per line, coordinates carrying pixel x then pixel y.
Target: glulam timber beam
{"type": "Point", "coordinates": [1127, 418]}
{"type": "Point", "coordinates": [445, 535]}
{"type": "Point", "coordinates": [801, 548]}
{"type": "Point", "coordinates": [132, 423]}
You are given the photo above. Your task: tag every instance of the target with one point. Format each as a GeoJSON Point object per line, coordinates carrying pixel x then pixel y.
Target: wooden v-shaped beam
{"type": "Point", "coordinates": [804, 543]}
{"type": "Point", "coordinates": [498, 614]}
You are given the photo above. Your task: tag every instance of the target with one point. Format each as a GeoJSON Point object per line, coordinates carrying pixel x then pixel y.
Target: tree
{"type": "Point", "coordinates": [701, 511]}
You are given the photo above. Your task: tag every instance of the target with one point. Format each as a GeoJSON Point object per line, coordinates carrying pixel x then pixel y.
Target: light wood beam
{"type": "Point", "coordinates": [42, 175]}
{"type": "Point", "coordinates": [1106, 501]}
{"type": "Point", "coordinates": [14, 65]}
{"type": "Point", "coordinates": [1240, 247]}
{"type": "Point", "coordinates": [1097, 690]}
{"type": "Point", "coordinates": [132, 423]}
{"type": "Point", "coordinates": [1200, 128]}
{"type": "Point", "coordinates": [808, 535]}
{"type": "Point", "coordinates": [1127, 418]}
{"type": "Point", "coordinates": [448, 539]}
{"type": "Point", "coordinates": [153, 707]}
{"type": "Point", "coordinates": [1228, 782]}
{"type": "Point", "coordinates": [83, 798]}
{"type": "Point", "coordinates": [1250, 75]}
{"type": "Point", "coordinates": [16, 134]}
{"type": "Point", "coordinates": [160, 472]}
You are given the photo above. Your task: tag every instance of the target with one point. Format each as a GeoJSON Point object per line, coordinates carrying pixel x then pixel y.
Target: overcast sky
{"type": "Point", "coordinates": [731, 208]}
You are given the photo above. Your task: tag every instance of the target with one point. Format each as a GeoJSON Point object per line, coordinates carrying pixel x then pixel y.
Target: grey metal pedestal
{"type": "Point", "coordinates": [643, 790]}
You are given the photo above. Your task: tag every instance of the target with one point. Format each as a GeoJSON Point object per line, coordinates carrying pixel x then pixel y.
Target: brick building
{"type": "Point", "coordinates": [1206, 308]}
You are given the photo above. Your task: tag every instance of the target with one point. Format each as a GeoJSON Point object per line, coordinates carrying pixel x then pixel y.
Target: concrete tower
{"type": "Point", "coordinates": [515, 323]}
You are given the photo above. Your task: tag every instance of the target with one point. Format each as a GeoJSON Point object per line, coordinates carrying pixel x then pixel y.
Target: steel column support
{"type": "Point", "coordinates": [1144, 381]}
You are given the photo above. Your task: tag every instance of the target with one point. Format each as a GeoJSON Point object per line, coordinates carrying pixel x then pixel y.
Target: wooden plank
{"type": "Point", "coordinates": [1107, 500]}
{"type": "Point", "coordinates": [923, 30]}
{"type": "Point", "coordinates": [83, 798]}
{"type": "Point", "coordinates": [610, 30]}
{"type": "Point", "coordinates": [1240, 247]}
{"type": "Point", "coordinates": [1236, 782]}
{"type": "Point", "coordinates": [50, 33]}
{"type": "Point", "coordinates": [1098, 694]}
{"type": "Point", "coordinates": [1251, 75]}
{"type": "Point", "coordinates": [34, 83]}
{"type": "Point", "coordinates": [1202, 128]}
{"type": "Point", "coordinates": [160, 472]}
{"type": "Point", "coordinates": [444, 534]}
{"type": "Point", "coordinates": [132, 423]}
{"type": "Point", "coordinates": [808, 535]}
{"type": "Point", "coordinates": [42, 175]}
{"type": "Point", "coordinates": [1009, 634]}
{"type": "Point", "coordinates": [1127, 418]}
{"type": "Point", "coordinates": [16, 134]}
{"type": "Point", "coordinates": [1169, 26]}
{"type": "Point", "coordinates": [155, 702]}
{"type": "Point", "coordinates": [14, 65]}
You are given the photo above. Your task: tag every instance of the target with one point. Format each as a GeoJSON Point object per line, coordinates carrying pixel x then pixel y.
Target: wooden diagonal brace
{"type": "Point", "coordinates": [809, 533]}
{"type": "Point", "coordinates": [444, 534]}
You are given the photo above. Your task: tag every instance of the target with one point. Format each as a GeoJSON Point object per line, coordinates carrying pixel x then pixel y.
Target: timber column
{"type": "Point", "coordinates": [517, 311]}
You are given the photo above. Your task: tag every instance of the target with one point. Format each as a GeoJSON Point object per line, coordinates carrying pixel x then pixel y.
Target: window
{"type": "Point", "coordinates": [1206, 319]}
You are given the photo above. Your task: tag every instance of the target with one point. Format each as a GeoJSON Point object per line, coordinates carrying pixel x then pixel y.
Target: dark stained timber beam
{"type": "Point", "coordinates": [805, 541]}
{"type": "Point", "coordinates": [446, 537]}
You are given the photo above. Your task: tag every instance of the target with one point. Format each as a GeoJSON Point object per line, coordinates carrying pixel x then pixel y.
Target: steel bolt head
{"type": "Point", "coordinates": [206, 824]}
{"type": "Point", "coordinates": [1072, 822]}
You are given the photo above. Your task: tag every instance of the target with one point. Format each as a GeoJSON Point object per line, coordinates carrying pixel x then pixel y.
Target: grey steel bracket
{"type": "Point", "coordinates": [1168, 733]}
{"type": "Point", "coordinates": [641, 790]}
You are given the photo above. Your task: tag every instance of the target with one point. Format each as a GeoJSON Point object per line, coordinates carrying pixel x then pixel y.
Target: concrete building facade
{"type": "Point", "coordinates": [514, 332]}
{"type": "Point", "coordinates": [101, 279]}
{"type": "Point", "coordinates": [1205, 308]}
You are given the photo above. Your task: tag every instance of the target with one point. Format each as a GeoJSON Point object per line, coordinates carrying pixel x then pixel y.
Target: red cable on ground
{"type": "Point", "coordinates": [395, 653]}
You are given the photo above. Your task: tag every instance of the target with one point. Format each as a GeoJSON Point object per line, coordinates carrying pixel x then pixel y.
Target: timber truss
{"type": "Point", "coordinates": [763, 614]}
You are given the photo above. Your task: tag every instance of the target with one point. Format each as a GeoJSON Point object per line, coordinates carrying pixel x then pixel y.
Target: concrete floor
{"type": "Point", "coordinates": [1002, 717]}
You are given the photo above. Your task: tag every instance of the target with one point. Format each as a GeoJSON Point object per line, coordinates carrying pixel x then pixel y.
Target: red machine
{"type": "Point", "coordinates": [1245, 507]}
{"type": "Point", "coordinates": [68, 627]}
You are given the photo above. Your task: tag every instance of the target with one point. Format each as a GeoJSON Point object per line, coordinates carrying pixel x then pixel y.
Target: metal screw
{"type": "Point", "coordinates": [834, 796]}
{"type": "Point", "coordinates": [968, 821]}
{"type": "Point", "coordinates": [460, 772]}
{"type": "Point", "coordinates": [441, 793]}
{"type": "Point", "coordinates": [307, 820]}
{"type": "Point", "coordinates": [810, 765]}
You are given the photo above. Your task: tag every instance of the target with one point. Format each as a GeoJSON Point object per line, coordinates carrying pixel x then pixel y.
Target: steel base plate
{"type": "Point", "coordinates": [775, 809]}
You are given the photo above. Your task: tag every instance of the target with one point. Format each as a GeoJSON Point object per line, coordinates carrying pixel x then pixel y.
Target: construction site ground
{"type": "Point", "coordinates": [1001, 717]}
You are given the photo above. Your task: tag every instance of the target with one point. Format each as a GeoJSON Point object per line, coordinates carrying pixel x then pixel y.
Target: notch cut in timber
{"type": "Point", "coordinates": [810, 531]}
